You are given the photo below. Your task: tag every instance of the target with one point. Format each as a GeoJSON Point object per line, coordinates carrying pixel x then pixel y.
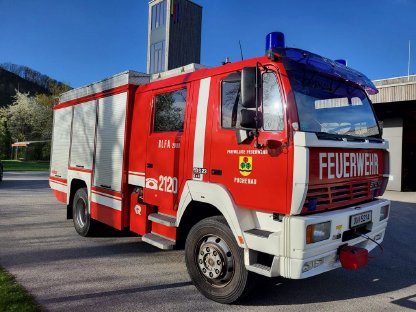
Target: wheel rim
{"type": "Point", "coordinates": [81, 208]}
{"type": "Point", "coordinates": [215, 260]}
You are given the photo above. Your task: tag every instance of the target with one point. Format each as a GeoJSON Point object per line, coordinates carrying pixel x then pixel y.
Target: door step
{"type": "Point", "coordinates": [158, 241]}
{"type": "Point", "coordinates": [162, 219]}
{"type": "Point", "coordinates": [161, 223]}
{"type": "Point", "coordinates": [259, 233]}
{"type": "Point", "coordinates": [260, 269]}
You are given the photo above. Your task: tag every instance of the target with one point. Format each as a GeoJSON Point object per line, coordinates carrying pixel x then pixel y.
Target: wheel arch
{"type": "Point", "coordinates": [195, 212]}
{"type": "Point", "coordinates": [200, 200]}
{"type": "Point", "coordinates": [76, 184]}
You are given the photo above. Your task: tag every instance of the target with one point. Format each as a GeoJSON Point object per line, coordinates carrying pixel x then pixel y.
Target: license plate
{"type": "Point", "coordinates": [360, 219]}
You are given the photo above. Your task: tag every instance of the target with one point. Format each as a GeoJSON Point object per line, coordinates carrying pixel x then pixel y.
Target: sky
{"type": "Point", "coordinates": [82, 41]}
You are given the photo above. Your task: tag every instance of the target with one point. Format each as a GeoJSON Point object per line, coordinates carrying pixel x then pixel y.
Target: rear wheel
{"type": "Point", "coordinates": [215, 262]}
{"type": "Point", "coordinates": [81, 215]}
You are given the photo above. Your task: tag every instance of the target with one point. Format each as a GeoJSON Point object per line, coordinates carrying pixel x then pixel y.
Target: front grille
{"type": "Point", "coordinates": [337, 195]}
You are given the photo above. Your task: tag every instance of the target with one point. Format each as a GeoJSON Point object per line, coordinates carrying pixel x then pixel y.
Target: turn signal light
{"type": "Point", "coordinates": [384, 212]}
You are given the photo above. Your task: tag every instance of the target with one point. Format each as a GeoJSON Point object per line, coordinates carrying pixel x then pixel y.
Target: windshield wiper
{"type": "Point", "coordinates": [330, 136]}
{"type": "Point", "coordinates": [340, 137]}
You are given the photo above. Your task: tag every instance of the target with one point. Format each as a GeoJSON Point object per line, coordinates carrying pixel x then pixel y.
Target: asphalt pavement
{"type": "Point", "coordinates": [117, 272]}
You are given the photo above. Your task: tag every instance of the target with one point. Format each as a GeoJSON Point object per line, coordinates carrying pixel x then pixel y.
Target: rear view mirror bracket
{"type": "Point", "coordinates": [244, 136]}
{"type": "Point", "coordinates": [250, 86]}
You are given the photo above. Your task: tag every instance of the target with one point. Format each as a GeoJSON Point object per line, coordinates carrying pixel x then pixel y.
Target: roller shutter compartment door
{"type": "Point", "coordinates": [110, 141]}
{"type": "Point", "coordinates": [60, 142]}
{"type": "Point", "coordinates": [83, 133]}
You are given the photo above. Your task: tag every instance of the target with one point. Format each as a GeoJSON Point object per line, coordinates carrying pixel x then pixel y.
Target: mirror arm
{"type": "Point", "coordinates": [244, 136]}
{"type": "Point", "coordinates": [257, 133]}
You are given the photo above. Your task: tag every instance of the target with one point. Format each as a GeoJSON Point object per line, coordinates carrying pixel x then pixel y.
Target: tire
{"type": "Point", "coordinates": [80, 214]}
{"type": "Point", "coordinates": [1, 172]}
{"type": "Point", "coordinates": [215, 262]}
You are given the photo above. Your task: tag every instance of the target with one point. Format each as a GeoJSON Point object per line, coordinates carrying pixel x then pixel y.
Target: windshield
{"type": "Point", "coordinates": [331, 105]}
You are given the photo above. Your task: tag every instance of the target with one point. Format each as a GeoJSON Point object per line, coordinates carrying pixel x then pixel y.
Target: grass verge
{"type": "Point", "coordinates": [14, 297]}
{"type": "Point", "coordinates": [17, 165]}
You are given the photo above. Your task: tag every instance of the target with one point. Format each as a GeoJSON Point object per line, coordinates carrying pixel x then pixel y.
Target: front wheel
{"type": "Point", "coordinates": [83, 223]}
{"type": "Point", "coordinates": [215, 262]}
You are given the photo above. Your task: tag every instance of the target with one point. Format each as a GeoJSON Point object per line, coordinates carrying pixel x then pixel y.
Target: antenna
{"type": "Point", "coordinates": [408, 65]}
{"type": "Point", "coordinates": [241, 50]}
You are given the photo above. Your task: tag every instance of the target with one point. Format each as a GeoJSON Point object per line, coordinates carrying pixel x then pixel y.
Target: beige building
{"type": "Point", "coordinates": [395, 106]}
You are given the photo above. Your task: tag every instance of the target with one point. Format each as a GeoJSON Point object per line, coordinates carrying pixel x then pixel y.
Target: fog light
{"type": "Point", "coordinates": [378, 237]}
{"type": "Point", "coordinates": [318, 262]}
{"type": "Point", "coordinates": [312, 264]}
{"type": "Point", "coordinates": [384, 212]}
{"type": "Point", "coordinates": [307, 266]}
{"type": "Point", "coordinates": [318, 232]}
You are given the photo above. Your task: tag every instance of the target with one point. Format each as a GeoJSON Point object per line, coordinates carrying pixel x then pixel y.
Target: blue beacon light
{"type": "Point", "coordinates": [275, 40]}
{"type": "Point", "coordinates": [343, 62]}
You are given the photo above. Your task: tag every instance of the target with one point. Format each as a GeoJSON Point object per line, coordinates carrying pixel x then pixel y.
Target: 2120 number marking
{"type": "Point", "coordinates": [168, 184]}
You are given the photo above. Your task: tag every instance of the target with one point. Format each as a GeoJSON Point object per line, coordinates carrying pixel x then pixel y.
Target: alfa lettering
{"type": "Point", "coordinates": [164, 144]}
{"type": "Point", "coordinates": [345, 165]}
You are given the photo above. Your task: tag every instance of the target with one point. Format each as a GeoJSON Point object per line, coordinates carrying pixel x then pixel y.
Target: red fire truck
{"type": "Point", "coordinates": [271, 165]}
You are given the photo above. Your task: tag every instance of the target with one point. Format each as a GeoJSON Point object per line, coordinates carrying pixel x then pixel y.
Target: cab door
{"type": "Point", "coordinates": [255, 177]}
{"type": "Point", "coordinates": [165, 148]}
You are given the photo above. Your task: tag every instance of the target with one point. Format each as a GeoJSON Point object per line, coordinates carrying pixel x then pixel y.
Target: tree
{"type": "Point", "coordinates": [34, 76]}
{"type": "Point", "coordinates": [52, 99]}
{"type": "Point", "coordinates": [5, 137]}
{"type": "Point", "coordinates": [29, 120]}
{"type": "Point", "coordinates": [170, 108]}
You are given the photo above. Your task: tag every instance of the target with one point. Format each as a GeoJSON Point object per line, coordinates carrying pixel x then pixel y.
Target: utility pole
{"type": "Point", "coordinates": [408, 65]}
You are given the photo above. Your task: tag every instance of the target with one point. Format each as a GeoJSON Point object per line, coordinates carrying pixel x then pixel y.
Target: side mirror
{"type": "Point", "coordinates": [250, 77]}
{"type": "Point", "coordinates": [248, 119]}
{"type": "Point", "coordinates": [381, 125]}
{"type": "Point", "coordinates": [251, 118]}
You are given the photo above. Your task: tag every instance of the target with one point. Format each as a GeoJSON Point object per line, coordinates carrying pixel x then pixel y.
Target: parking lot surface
{"type": "Point", "coordinates": [117, 272]}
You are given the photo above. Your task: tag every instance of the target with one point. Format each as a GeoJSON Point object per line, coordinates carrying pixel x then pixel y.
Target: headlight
{"type": "Point", "coordinates": [318, 232]}
{"type": "Point", "coordinates": [384, 212]}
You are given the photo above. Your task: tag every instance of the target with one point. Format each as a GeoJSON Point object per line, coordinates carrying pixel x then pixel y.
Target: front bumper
{"type": "Point", "coordinates": [300, 260]}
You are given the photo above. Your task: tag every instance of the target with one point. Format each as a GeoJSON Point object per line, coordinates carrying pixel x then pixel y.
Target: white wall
{"type": "Point", "coordinates": [393, 132]}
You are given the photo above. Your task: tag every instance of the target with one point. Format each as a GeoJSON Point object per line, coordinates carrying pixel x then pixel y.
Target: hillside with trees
{"type": "Point", "coordinates": [26, 101]}
{"type": "Point", "coordinates": [31, 75]}
{"type": "Point", "coordinates": [10, 83]}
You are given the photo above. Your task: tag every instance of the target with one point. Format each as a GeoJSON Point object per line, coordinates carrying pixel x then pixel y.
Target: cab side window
{"type": "Point", "coordinates": [273, 117]}
{"type": "Point", "coordinates": [170, 111]}
{"type": "Point", "coordinates": [231, 101]}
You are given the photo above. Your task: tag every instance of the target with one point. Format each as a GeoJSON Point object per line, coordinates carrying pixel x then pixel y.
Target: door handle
{"type": "Point", "coordinates": [149, 165]}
